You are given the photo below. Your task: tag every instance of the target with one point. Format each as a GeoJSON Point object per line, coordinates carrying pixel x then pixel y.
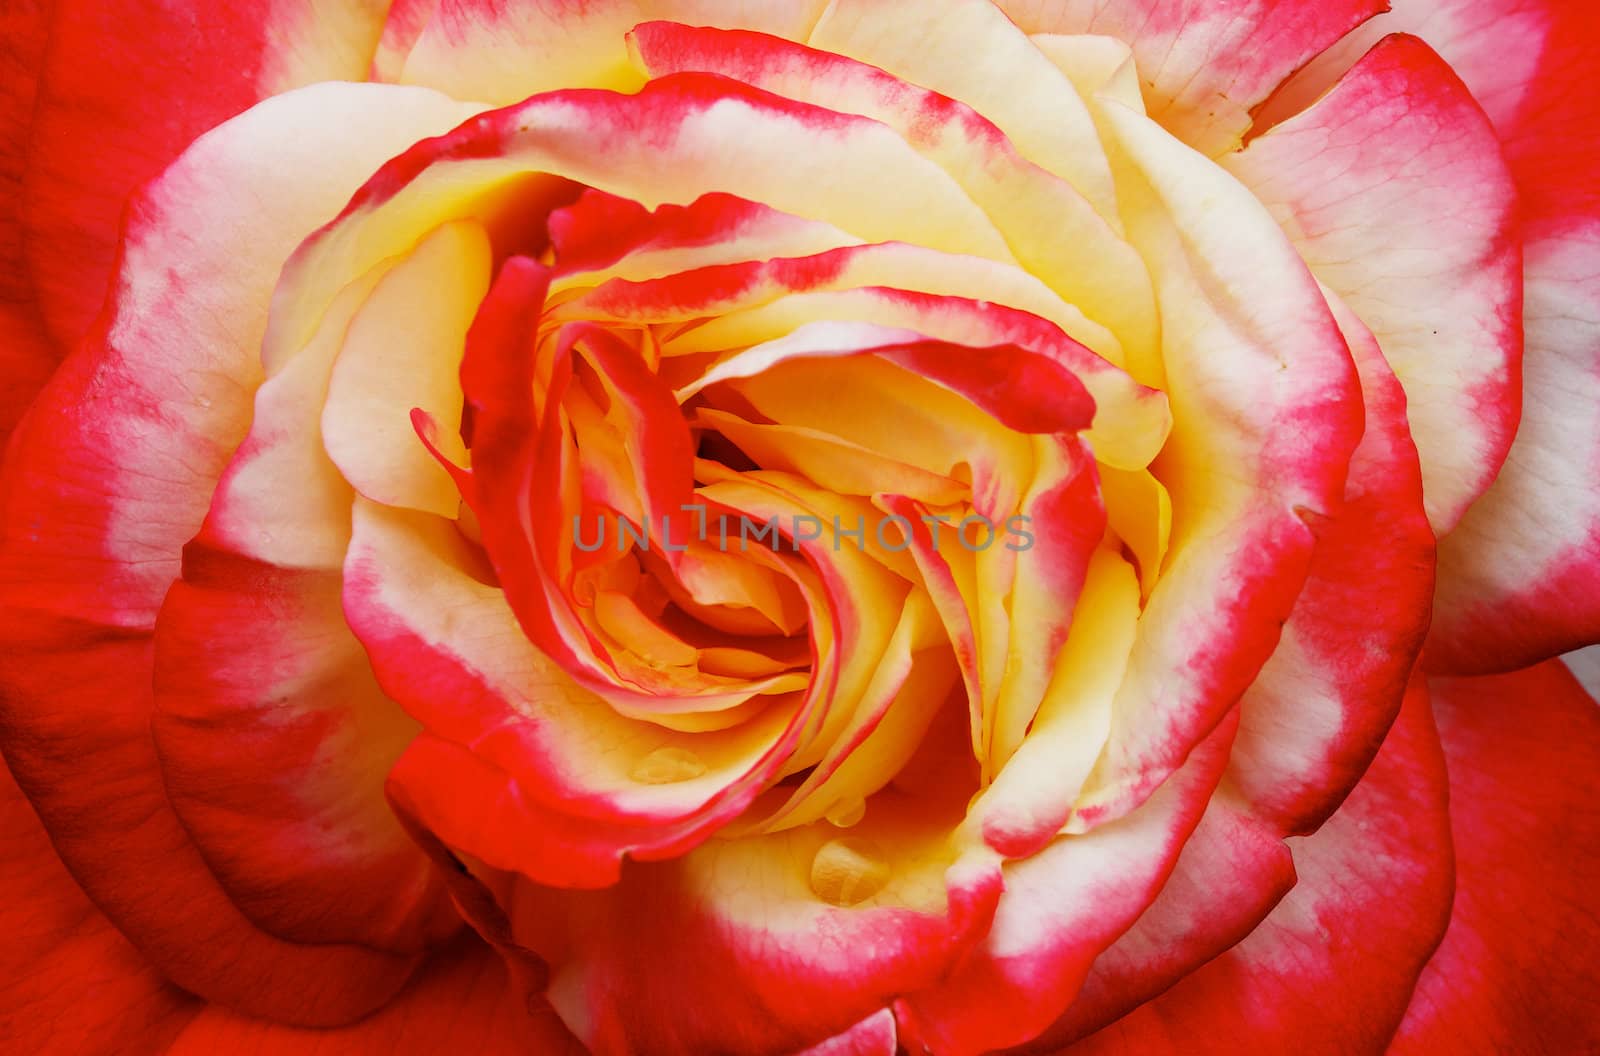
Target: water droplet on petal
{"type": "Point", "coordinates": [847, 813]}
{"type": "Point", "coordinates": [667, 766]}
{"type": "Point", "coordinates": [848, 872]}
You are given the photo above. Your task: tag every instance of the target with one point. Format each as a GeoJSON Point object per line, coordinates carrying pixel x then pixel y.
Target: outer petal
{"type": "Point", "coordinates": [1394, 191]}
{"type": "Point", "coordinates": [111, 474]}
{"type": "Point", "coordinates": [1517, 971]}
{"type": "Point", "coordinates": [1204, 64]}
{"type": "Point", "coordinates": [463, 1001]}
{"type": "Point", "coordinates": [128, 86]}
{"type": "Point", "coordinates": [1519, 579]}
{"type": "Point", "coordinates": [70, 983]}
{"type": "Point", "coordinates": [27, 355]}
{"type": "Point", "coordinates": [1332, 967]}
{"type": "Point", "coordinates": [274, 739]}
{"type": "Point", "coordinates": [1231, 873]}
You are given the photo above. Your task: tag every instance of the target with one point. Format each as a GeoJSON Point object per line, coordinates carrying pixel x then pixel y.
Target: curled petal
{"type": "Point", "coordinates": [1205, 64]}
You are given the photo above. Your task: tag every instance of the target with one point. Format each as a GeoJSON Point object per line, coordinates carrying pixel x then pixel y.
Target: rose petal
{"type": "Point", "coordinates": [1079, 256]}
{"type": "Point", "coordinates": [60, 950]}
{"type": "Point", "coordinates": [27, 355]}
{"type": "Point", "coordinates": [1266, 410]}
{"type": "Point", "coordinates": [1317, 713]}
{"type": "Point", "coordinates": [110, 479]}
{"type": "Point", "coordinates": [1519, 579]}
{"type": "Point", "coordinates": [1516, 969]}
{"type": "Point", "coordinates": [973, 53]}
{"type": "Point", "coordinates": [501, 53]}
{"type": "Point", "coordinates": [119, 100]}
{"type": "Point", "coordinates": [679, 138]}
{"type": "Point", "coordinates": [873, 1036]}
{"type": "Point", "coordinates": [1061, 908]}
{"type": "Point", "coordinates": [779, 941]}
{"type": "Point", "coordinates": [1335, 962]}
{"type": "Point", "coordinates": [601, 236]}
{"type": "Point", "coordinates": [462, 1000]}
{"type": "Point", "coordinates": [520, 766]}
{"type": "Point", "coordinates": [1131, 421]}
{"type": "Point", "coordinates": [1413, 227]}
{"type": "Point", "coordinates": [402, 351]}
{"type": "Point", "coordinates": [294, 826]}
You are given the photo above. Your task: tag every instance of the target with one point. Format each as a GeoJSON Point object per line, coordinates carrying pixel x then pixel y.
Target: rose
{"type": "Point", "coordinates": [285, 748]}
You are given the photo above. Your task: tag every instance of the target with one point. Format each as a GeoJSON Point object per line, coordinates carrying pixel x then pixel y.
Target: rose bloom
{"type": "Point", "coordinates": [855, 527]}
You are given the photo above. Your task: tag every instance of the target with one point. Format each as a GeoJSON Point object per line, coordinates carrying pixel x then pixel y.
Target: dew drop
{"type": "Point", "coordinates": [847, 813]}
{"type": "Point", "coordinates": [848, 872]}
{"type": "Point", "coordinates": [668, 766]}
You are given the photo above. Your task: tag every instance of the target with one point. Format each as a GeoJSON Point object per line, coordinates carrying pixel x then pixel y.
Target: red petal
{"type": "Point", "coordinates": [274, 739]}
{"type": "Point", "coordinates": [1519, 580]}
{"type": "Point", "coordinates": [128, 86]}
{"type": "Point", "coordinates": [1517, 969]}
{"type": "Point", "coordinates": [104, 486]}
{"type": "Point", "coordinates": [1320, 708]}
{"type": "Point", "coordinates": [464, 1001]}
{"type": "Point", "coordinates": [27, 355]}
{"type": "Point", "coordinates": [70, 983]}
{"type": "Point", "coordinates": [1332, 967]}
